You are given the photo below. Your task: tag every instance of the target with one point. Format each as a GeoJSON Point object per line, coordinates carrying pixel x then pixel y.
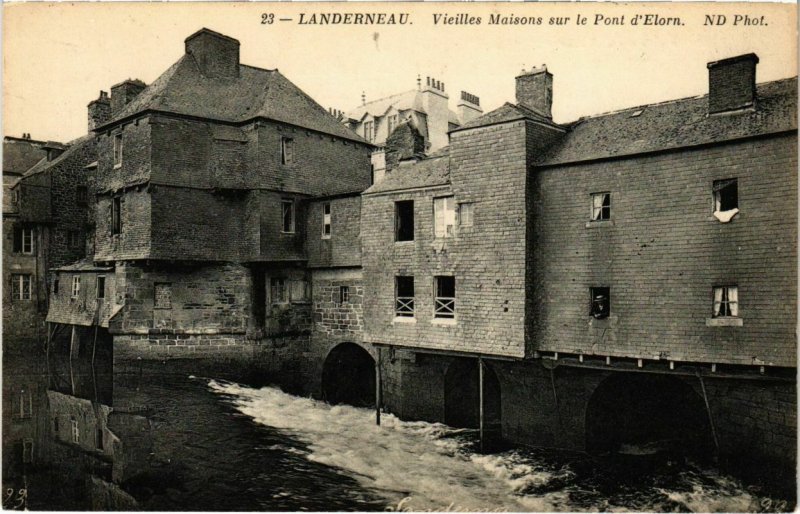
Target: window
{"type": "Point", "coordinates": [287, 150]}
{"type": "Point", "coordinates": [55, 285]}
{"type": "Point", "coordinates": [444, 216]}
{"type": "Point", "coordinates": [404, 297]}
{"type": "Point", "coordinates": [404, 220]}
{"type": "Point", "coordinates": [444, 305]}
{"type": "Point", "coordinates": [299, 290]}
{"type": "Point", "coordinates": [20, 287]}
{"type": "Point", "coordinates": [726, 301]}
{"type": "Point", "coordinates": [163, 295]}
{"type": "Point", "coordinates": [56, 425]}
{"type": "Point", "coordinates": [117, 150]}
{"type": "Point", "coordinates": [100, 445]}
{"type": "Point", "coordinates": [15, 196]}
{"type": "Point", "coordinates": [25, 410]}
{"type": "Point", "coordinates": [75, 239]}
{"type": "Point", "coordinates": [465, 214]}
{"type": "Point", "coordinates": [23, 240]}
{"type": "Point", "coordinates": [601, 206]}
{"type": "Point", "coordinates": [277, 287]}
{"type": "Point", "coordinates": [392, 121]}
{"type": "Point", "coordinates": [344, 294]}
{"type": "Point", "coordinates": [287, 216]}
{"type": "Point", "coordinates": [326, 220]}
{"type": "Point", "coordinates": [369, 131]}
{"type": "Point", "coordinates": [76, 285]}
{"type": "Point", "coordinates": [101, 287]}
{"type": "Point", "coordinates": [600, 301]}
{"type": "Point", "coordinates": [27, 451]}
{"type": "Point", "coordinates": [82, 195]}
{"type": "Point", "coordinates": [726, 199]}
{"type": "Point", "coordinates": [76, 431]}
{"type": "Point", "coordinates": [116, 215]}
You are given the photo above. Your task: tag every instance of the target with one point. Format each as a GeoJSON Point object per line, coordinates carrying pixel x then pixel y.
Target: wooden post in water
{"type": "Point", "coordinates": [378, 389]}
{"type": "Point", "coordinates": [480, 398]}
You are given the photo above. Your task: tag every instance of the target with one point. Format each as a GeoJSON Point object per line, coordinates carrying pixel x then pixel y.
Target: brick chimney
{"type": "Point", "coordinates": [216, 55]}
{"type": "Point", "coordinates": [732, 83]}
{"type": "Point", "coordinates": [535, 90]}
{"type": "Point", "coordinates": [123, 93]}
{"type": "Point", "coordinates": [99, 111]}
{"type": "Point", "coordinates": [469, 107]}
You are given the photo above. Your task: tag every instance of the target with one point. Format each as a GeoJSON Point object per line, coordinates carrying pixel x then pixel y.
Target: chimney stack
{"type": "Point", "coordinates": [99, 111]}
{"type": "Point", "coordinates": [123, 93]}
{"type": "Point", "coordinates": [469, 107]}
{"type": "Point", "coordinates": [535, 91]}
{"type": "Point", "coordinates": [732, 83]}
{"type": "Point", "coordinates": [217, 55]}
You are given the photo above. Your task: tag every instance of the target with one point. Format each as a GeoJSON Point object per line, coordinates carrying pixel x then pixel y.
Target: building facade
{"type": "Point", "coordinates": [523, 278]}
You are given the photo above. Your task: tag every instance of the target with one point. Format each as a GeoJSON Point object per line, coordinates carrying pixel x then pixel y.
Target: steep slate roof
{"type": "Point", "coordinates": [256, 92]}
{"type": "Point", "coordinates": [83, 265]}
{"type": "Point", "coordinates": [425, 173]}
{"type": "Point", "coordinates": [44, 165]}
{"type": "Point", "coordinates": [19, 155]}
{"type": "Point", "coordinates": [505, 113]}
{"type": "Point", "coordinates": [401, 102]}
{"type": "Point", "coordinates": [675, 124]}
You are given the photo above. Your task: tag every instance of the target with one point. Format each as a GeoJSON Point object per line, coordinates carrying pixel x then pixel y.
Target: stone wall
{"type": "Point", "coordinates": [342, 247]}
{"type": "Point", "coordinates": [663, 251]}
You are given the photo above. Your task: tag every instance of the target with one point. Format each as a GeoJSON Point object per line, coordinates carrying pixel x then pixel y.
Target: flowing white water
{"type": "Point", "coordinates": [420, 466]}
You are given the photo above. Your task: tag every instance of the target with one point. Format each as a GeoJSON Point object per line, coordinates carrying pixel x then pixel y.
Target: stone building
{"type": "Point", "coordinates": [590, 285]}
{"type": "Point", "coordinates": [23, 312]}
{"type": "Point", "coordinates": [426, 108]}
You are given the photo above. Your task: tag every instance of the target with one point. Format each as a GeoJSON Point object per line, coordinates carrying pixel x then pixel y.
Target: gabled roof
{"type": "Point", "coordinates": [428, 172]}
{"type": "Point", "coordinates": [255, 92]}
{"type": "Point", "coordinates": [72, 147]}
{"type": "Point", "coordinates": [83, 265]}
{"type": "Point", "coordinates": [505, 113]}
{"type": "Point", "coordinates": [19, 155]}
{"type": "Point", "coordinates": [407, 100]}
{"type": "Point", "coordinates": [675, 124]}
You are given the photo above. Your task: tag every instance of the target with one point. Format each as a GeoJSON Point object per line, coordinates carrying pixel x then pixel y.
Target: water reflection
{"type": "Point", "coordinates": [79, 435]}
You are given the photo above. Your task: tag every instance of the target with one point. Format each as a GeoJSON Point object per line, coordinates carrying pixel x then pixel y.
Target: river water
{"type": "Point", "coordinates": [186, 442]}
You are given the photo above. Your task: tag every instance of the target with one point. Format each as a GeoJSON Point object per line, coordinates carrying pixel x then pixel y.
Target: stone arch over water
{"type": "Point", "coordinates": [348, 376]}
{"type": "Point", "coordinates": [639, 410]}
{"type": "Point", "coordinates": [461, 400]}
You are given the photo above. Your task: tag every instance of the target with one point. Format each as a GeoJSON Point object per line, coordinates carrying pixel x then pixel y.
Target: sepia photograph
{"type": "Point", "coordinates": [399, 256]}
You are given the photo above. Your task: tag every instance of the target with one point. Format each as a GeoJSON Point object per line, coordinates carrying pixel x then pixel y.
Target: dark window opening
{"type": "Point", "coordinates": [344, 294]}
{"type": "Point", "coordinates": [116, 215]}
{"type": "Point", "coordinates": [23, 240]}
{"type": "Point", "coordinates": [101, 287]}
{"type": "Point", "coordinates": [404, 297]}
{"type": "Point", "coordinates": [259, 298]}
{"type": "Point", "coordinates": [326, 220]}
{"type": "Point", "coordinates": [445, 302]}
{"type": "Point", "coordinates": [601, 302]}
{"type": "Point", "coordinates": [82, 195]}
{"type": "Point", "coordinates": [726, 195]}
{"type": "Point", "coordinates": [117, 150]}
{"type": "Point", "coordinates": [55, 286]}
{"type": "Point", "coordinates": [287, 214]}
{"type": "Point", "coordinates": [601, 206]}
{"type": "Point", "coordinates": [404, 220]}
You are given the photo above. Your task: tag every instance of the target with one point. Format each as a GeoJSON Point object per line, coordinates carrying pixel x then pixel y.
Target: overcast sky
{"type": "Point", "coordinates": [58, 57]}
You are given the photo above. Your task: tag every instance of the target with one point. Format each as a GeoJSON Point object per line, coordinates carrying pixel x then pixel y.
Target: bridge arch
{"type": "Point", "coordinates": [637, 410]}
{"type": "Point", "coordinates": [348, 376]}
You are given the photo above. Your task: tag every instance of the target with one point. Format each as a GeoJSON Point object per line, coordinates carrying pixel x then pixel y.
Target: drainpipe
{"type": "Point", "coordinates": [378, 389]}
{"type": "Point", "coordinates": [480, 397]}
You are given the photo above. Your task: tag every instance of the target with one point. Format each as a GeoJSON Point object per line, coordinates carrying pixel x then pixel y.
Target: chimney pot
{"type": "Point", "coordinates": [732, 83]}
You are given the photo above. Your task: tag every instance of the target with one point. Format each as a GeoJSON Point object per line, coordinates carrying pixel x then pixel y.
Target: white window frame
{"type": "Point", "coordinates": [444, 217]}
{"type": "Point", "coordinates": [118, 150]}
{"type": "Point", "coordinates": [598, 210]}
{"type": "Point", "coordinates": [444, 307]}
{"type": "Point", "coordinates": [19, 292]}
{"type": "Point", "coordinates": [27, 240]}
{"type": "Point", "coordinates": [404, 306]}
{"type": "Point", "coordinates": [466, 214]}
{"type": "Point", "coordinates": [278, 293]}
{"type": "Point", "coordinates": [344, 294]}
{"type": "Point", "coordinates": [75, 431]}
{"type": "Point", "coordinates": [369, 130]}
{"type": "Point", "coordinates": [290, 203]}
{"type": "Point", "coordinates": [726, 302]}
{"type": "Point", "coordinates": [76, 286]}
{"type": "Point", "coordinates": [327, 227]}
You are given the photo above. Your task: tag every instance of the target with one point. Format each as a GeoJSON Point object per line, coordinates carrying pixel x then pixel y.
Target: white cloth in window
{"type": "Point", "coordinates": [717, 300]}
{"type": "Point", "coordinates": [726, 216]}
{"type": "Point", "coordinates": [733, 300]}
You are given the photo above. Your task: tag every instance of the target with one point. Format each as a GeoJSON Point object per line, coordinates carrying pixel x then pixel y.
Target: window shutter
{"type": "Point", "coordinates": [17, 240]}
{"type": "Point", "coordinates": [298, 290]}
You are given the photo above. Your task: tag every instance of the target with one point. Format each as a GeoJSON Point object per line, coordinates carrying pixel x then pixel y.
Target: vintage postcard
{"type": "Point", "coordinates": [400, 256]}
